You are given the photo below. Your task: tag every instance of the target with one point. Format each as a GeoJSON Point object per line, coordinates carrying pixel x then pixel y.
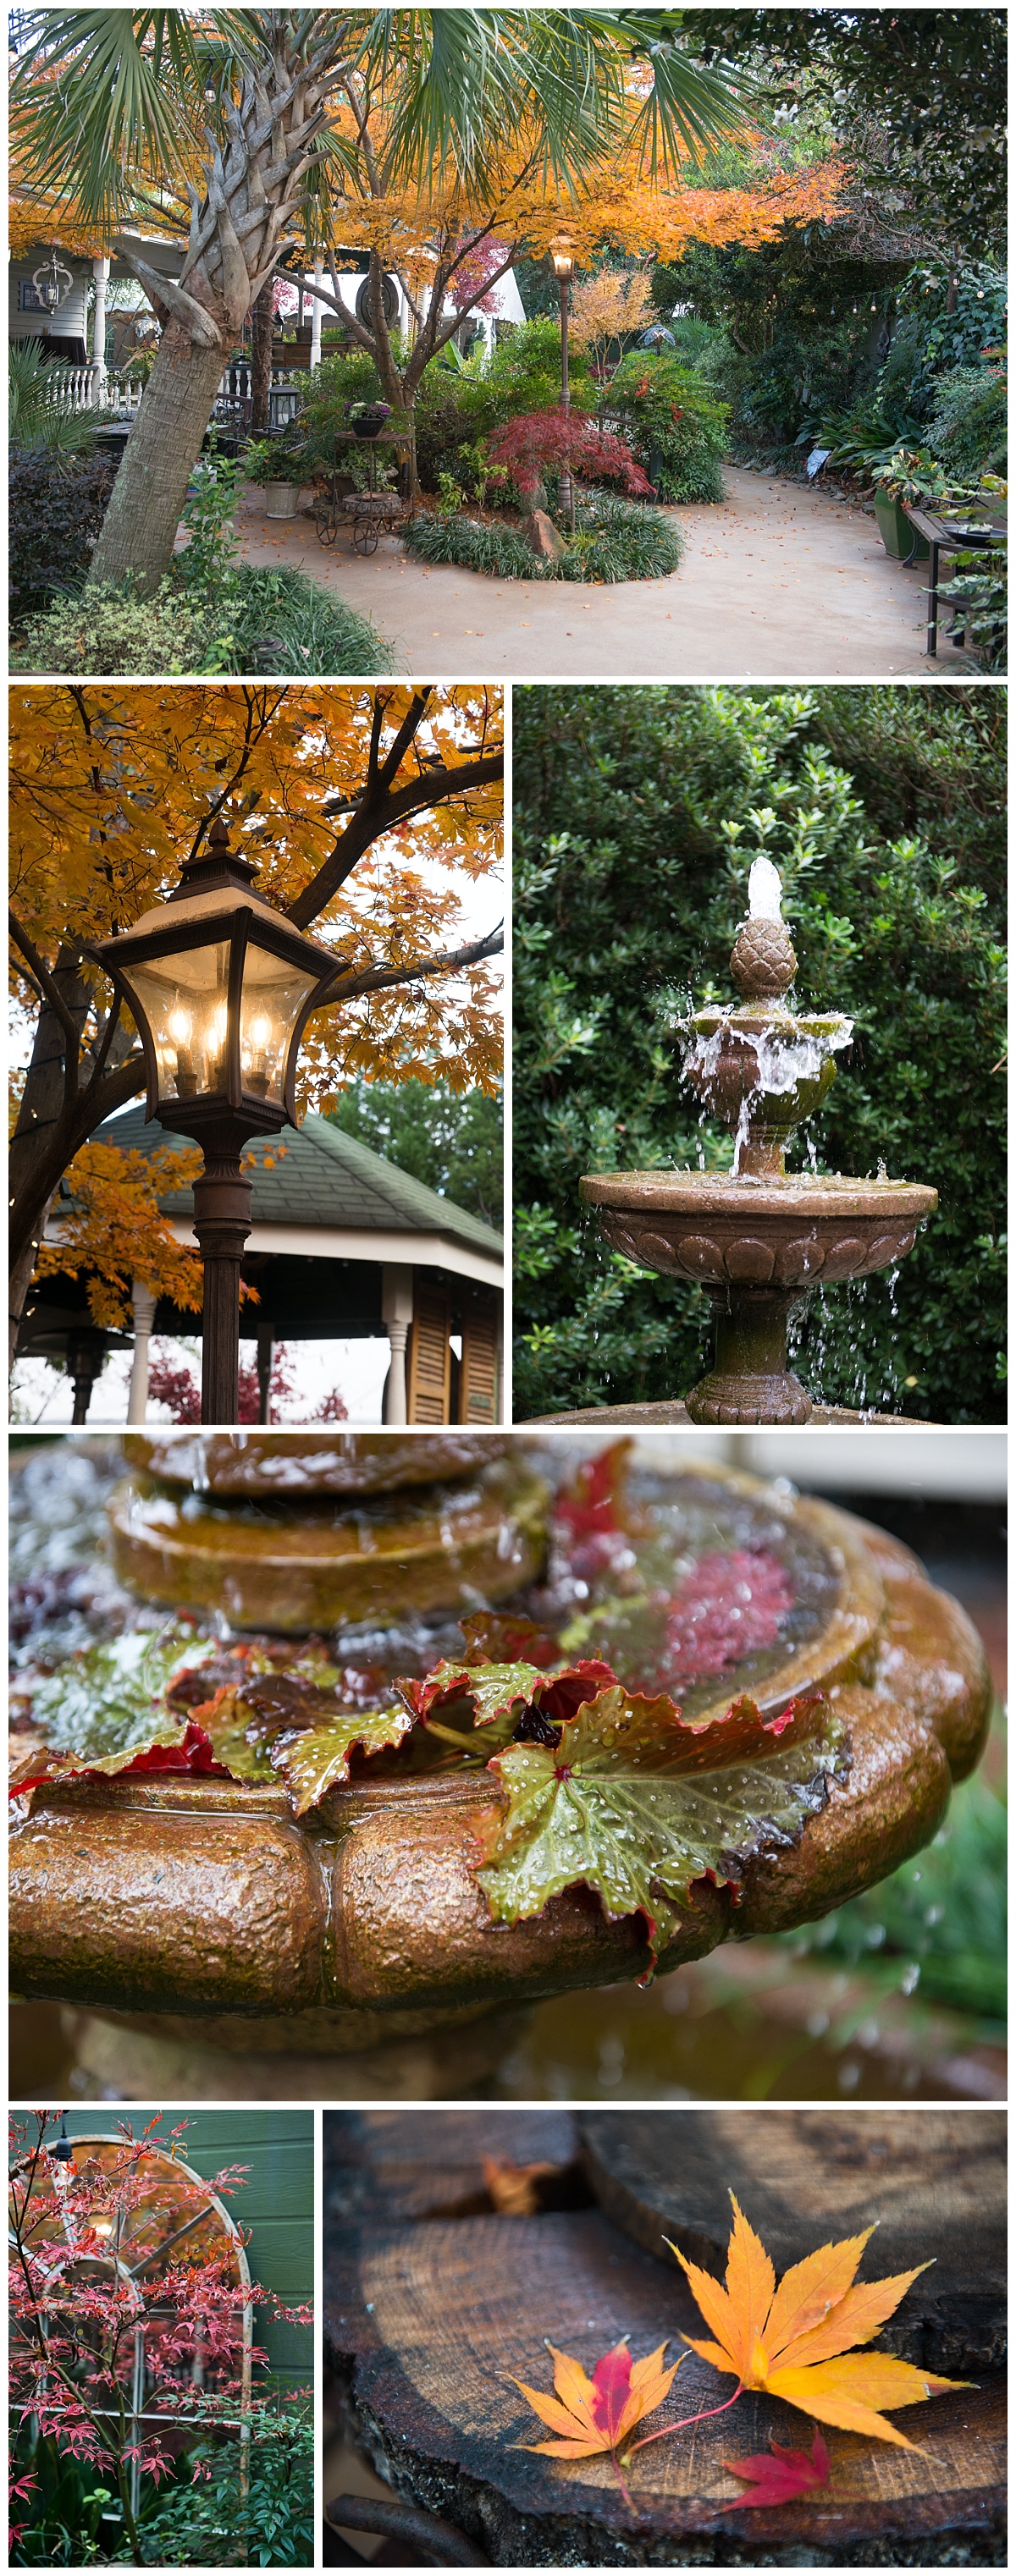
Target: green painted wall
{"type": "Point", "coordinates": [274, 2207]}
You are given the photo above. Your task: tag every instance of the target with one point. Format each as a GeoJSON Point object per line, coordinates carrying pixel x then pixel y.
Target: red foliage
{"type": "Point", "coordinates": [730, 1606]}
{"type": "Point", "coordinates": [778, 2475]}
{"type": "Point", "coordinates": [540, 442]}
{"type": "Point", "coordinates": [76, 2314]}
{"type": "Point", "coordinates": [179, 1389]}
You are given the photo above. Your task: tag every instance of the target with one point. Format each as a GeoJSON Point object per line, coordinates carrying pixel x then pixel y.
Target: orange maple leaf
{"type": "Point", "coordinates": [597, 2414]}
{"type": "Point", "coordinates": [795, 2342]}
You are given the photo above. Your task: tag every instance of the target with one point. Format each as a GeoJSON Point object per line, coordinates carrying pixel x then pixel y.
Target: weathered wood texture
{"type": "Point", "coordinates": [934, 2182]}
{"type": "Point", "coordinates": [425, 2318]}
{"type": "Point", "coordinates": [385, 2165]}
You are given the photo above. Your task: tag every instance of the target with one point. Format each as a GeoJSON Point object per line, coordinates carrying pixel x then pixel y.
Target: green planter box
{"type": "Point", "coordinates": [899, 537]}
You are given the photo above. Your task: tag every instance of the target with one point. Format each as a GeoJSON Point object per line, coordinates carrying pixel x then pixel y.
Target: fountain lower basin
{"type": "Point", "coordinates": [756, 1246]}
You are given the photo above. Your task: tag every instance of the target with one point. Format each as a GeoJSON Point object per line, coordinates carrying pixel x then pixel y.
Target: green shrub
{"type": "Point", "coordinates": [457, 408]}
{"type": "Point", "coordinates": [277, 619]}
{"type": "Point", "coordinates": [40, 412]}
{"type": "Point", "coordinates": [885, 816]}
{"type": "Point", "coordinates": [253, 620]}
{"type": "Point", "coordinates": [107, 632]}
{"type": "Point", "coordinates": [614, 541]}
{"type": "Point", "coordinates": [56, 508]}
{"type": "Point", "coordinates": [967, 428]}
{"type": "Point", "coordinates": [675, 425]}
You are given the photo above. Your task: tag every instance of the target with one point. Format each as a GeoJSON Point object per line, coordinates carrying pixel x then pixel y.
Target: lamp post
{"type": "Point", "coordinates": [563, 262]}
{"type": "Point", "coordinates": [221, 988]}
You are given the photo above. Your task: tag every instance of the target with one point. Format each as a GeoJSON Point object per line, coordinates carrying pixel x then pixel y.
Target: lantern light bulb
{"type": "Point", "coordinates": [260, 1030]}
{"type": "Point", "coordinates": [180, 1025]}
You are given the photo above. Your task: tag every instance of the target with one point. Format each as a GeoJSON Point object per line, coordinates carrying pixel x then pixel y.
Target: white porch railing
{"type": "Point", "coordinates": [112, 389]}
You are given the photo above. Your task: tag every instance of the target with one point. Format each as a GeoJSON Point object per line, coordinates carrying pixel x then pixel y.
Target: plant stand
{"type": "Point", "coordinates": [367, 514]}
{"type": "Point", "coordinates": [431, 2301]}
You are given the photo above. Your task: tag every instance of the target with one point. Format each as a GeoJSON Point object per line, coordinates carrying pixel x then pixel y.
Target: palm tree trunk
{"type": "Point", "coordinates": [239, 230]}
{"type": "Point", "coordinates": [138, 533]}
{"type": "Point", "coordinates": [261, 358]}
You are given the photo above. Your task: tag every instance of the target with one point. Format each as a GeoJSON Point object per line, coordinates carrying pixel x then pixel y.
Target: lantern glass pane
{"type": "Point", "coordinates": [184, 1000]}
{"type": "Point", "coordinates": [272, 998]}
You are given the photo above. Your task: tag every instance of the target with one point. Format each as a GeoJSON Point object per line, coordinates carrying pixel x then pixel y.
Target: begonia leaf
{"type": "Point", "coordinates": [638, 1806]}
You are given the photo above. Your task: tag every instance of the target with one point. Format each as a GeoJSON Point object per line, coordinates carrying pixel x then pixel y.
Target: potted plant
{"type": "Point", "coordinates": [279, 470]}
{"type": "Point", "coordinates": [366, 418]}
{"type": "Point", "coordinates": [909, 478]}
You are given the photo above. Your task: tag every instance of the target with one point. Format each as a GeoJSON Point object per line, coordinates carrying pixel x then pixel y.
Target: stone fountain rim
{"type": "Point", "coordinates": [792, 1196]}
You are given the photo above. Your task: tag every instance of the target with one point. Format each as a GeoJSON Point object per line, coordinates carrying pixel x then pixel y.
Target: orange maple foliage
{"type": "Point", "coordinates": [796, 2341]}
{"type": "Point", "coordinates": [111, 1229]}
{"type": "Point", "coordinates": [596, 2415]}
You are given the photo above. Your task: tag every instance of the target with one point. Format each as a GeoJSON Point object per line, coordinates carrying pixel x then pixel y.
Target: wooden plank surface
{"type": "Point", "coordinates": [424, 2322]}
{"type": "Point", "coordinates": [933, 2182]}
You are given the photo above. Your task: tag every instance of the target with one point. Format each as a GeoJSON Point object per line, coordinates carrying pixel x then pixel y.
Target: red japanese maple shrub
{"type": "Point", "coordinates": [547, 442]}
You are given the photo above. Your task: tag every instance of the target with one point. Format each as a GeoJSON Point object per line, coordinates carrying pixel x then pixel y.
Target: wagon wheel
{"type": "Point", "coordinates": [326, 522]}
{"type": "Point", "coordinates": [176, 2220]}
{"type": "Point", "coordinates": [365, 536]}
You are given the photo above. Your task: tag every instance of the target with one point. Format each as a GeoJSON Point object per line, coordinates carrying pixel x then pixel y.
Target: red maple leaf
{"type": "Point", "coordinates": [777, 2475]}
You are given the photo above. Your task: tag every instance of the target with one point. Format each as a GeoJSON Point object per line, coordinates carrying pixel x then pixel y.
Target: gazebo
{"type": "Point", "coordinates": [343, 1246]}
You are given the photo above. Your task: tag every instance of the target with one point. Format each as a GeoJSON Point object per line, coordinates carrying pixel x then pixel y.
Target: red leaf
{"type": "Point", "coordinates": [612, 2384]}
{"type": "Point", "coordinates": [777, 2475]}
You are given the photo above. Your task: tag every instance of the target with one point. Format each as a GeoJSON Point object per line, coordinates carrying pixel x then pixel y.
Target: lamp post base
{"type": "Point", "coordinates": [222, 1216]}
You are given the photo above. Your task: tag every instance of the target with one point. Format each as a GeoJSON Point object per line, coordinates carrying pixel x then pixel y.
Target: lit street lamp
{"type": "Point", "coordinates": [563, 262]}
{"type": "Point", "coordinates": [221, 988]}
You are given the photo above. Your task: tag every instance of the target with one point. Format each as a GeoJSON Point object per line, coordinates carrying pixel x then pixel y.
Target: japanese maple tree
{"type": "Point", "coordinates": [80, 2299]}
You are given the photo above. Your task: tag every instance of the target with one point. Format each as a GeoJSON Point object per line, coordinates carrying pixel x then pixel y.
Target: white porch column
{"type": "Point", "coordinates": [315, 319]}
{"type": "Point", "coordinates": [397, 1313]}
{"type": "Point", "coordinates": [100, 272]}
{"type": "Point", "coordinates": [143, 1303]}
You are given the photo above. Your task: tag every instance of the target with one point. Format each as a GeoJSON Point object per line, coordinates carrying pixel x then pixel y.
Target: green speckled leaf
{"type": "Point", "coordinates": [637, 1806]}
{"type": "Point", "coordinates": [106, 1702]}
{"type": "Point", "coordinates": [316, 1758]}
{"type": "Point", "coordinates": [224, 1719]}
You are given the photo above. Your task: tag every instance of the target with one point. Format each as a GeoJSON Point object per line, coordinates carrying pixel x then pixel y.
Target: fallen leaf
{"type": "Point", "coordinates": [637, 1805]}
{"type": "Point", "coordinates": [513, 2188]}
{"type": "Point", "coordinates": [794, 2342]}
{"type": "Point", "coordinates": [777, 2475]}
{"type": "Point", "coordinates": [596, 2415]}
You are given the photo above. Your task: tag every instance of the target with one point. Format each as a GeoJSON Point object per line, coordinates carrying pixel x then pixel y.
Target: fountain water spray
{"type": "Point", "coordinates": [758, 1239]}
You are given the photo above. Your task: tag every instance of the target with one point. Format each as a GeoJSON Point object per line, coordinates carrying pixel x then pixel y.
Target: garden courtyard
{"type": "Point", "coordinates": [689, 362]}
{"type": "Point", "coordinates": [775, 579]}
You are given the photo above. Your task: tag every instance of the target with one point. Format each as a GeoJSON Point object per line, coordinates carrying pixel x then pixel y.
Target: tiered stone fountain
{"type": "Point", "coordinates": [758, 1239]}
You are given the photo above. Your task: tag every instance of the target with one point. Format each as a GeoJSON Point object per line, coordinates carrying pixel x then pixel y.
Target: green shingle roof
{"type": "Point", "coordinates": [319, 1176]}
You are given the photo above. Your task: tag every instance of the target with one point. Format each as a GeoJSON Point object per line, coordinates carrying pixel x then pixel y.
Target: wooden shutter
{"type": "Point", "coordinates": [430, 1358]}
{"type": "Point", "coordinates": [478, 1381]}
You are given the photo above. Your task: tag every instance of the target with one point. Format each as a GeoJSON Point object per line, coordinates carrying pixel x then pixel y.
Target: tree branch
{"type": "Point", "coordinates": [375, 979]}
{"type": "Point", "coordinates": [363, 827]}
{"type": "Point", "coordinates": [43, 977]}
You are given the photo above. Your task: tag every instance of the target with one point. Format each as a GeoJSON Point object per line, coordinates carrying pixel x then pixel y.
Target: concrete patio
{"type": "Point", "coordinates": [777, 583]}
